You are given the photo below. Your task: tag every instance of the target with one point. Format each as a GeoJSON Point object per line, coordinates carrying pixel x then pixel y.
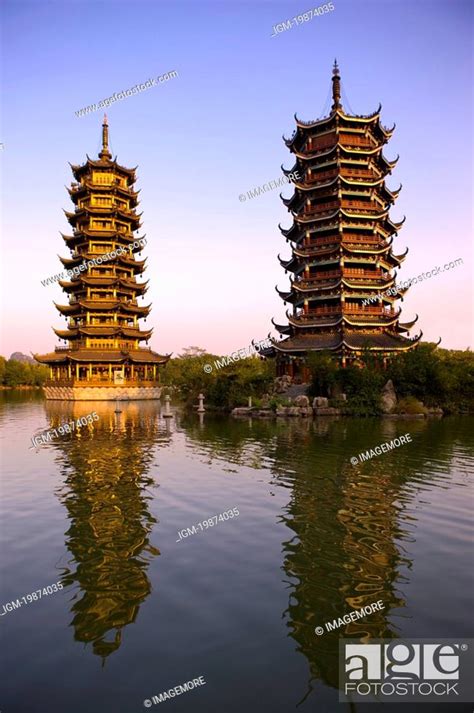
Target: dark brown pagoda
{"type": "Point", "coordinates": [341, 242]}
{"type": "Point", "coordinates": [103, 359]}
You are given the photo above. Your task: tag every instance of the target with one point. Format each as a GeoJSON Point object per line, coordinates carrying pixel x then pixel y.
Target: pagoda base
{"type": "Point", "coordinates": [101, 393]}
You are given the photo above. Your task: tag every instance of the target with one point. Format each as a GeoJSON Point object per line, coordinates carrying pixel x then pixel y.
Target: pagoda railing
{"type": "Point", "coordinates": [313, 144]}
{"type": "Point", "coordinates": [361, 204]}
{"type": "Point", "coordinates": [320, 208]}
{"type": "Point", "coordinates": [360, 272]}
{"type": "Point", "coordinates": [347, 141]}
{"type": "Point", "coordinates": [362, 310]}
{"type": "Point", "coordinates": [94, 381]}
{"type": "Point", "coordinates": [358, 173]}
{"type": "Point", "coordinates": [320, 177]}
{"type": "Point", "coordinates": [103, 347]}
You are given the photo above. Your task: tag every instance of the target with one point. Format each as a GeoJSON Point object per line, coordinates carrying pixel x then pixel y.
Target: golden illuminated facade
{"type": "Point", "coordinates": [103, 358]}
{"type": "Point", "coordinates": [341, 242]}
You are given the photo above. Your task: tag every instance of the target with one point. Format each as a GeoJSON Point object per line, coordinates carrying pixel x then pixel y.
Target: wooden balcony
{"type": "Point", "coordinates": [349, 140]}
{"type": "Point", "coordinates": [363, 174]}
{"type": "Point", "coordinates": [319, 144]}
{"type": "Point", "coordinates": [321, 177]}
{"type": "Point", "coordinates": [360, 272]}
{"type": "Point", "coordinates": [352, 310]}
{"type": "Point", "coordinates": [320, 208]}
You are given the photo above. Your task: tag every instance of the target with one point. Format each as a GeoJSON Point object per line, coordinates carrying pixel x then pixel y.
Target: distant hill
{"type": "Point", "coordinates": [18, 356]}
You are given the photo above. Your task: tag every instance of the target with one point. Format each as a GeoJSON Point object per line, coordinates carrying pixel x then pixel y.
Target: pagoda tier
{"type": "Point", "coordinates": [103, 314]}
{"type": "Point", "coordinates": [342, 264]}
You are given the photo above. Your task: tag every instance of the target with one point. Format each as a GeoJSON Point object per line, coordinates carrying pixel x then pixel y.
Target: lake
{"type": "Point", "coordinates": [143, 609]}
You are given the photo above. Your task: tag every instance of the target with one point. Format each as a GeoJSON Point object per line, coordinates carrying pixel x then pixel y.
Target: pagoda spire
{"type": "Point", "coordinates": [336, 87]}
{"type": "Point", "coordinates": [105, 153]}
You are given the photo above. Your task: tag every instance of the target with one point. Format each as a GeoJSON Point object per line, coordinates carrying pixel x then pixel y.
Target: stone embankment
{"type": "Point", "coordinates": [298, 404]}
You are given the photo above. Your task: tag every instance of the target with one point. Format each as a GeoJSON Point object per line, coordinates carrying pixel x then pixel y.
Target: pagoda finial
{"type": "Point", "coordinates": [336, 87]}
{"type": "Point", "coordinates": [105, 153]}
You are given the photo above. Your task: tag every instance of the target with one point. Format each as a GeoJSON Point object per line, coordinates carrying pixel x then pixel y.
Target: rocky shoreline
{"type": "Point", "coordinates": [299, 405]}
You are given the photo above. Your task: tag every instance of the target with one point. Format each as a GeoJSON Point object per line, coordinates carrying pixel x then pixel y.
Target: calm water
{"type": "Point", "coordinates": [237, 604]}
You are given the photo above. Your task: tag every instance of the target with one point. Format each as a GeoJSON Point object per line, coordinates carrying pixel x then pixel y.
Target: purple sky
{"type": "Point", "coordinates": [214, 132]}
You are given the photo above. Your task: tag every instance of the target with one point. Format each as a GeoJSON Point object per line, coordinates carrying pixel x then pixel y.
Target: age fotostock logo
{"type": "Point", "coordinates": [408, 670]}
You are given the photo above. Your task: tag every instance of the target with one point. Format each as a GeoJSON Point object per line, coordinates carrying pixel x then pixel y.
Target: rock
{"type": "Point", "coordinates": [343, 397]}
{"type": "Point", "coordinates": [281, 411]}
{"type": "Point", "coordinates": [266, 401]}
{"type": "Point", "coordinates": [306, 411]}
{"type": "Point", "coordinates": [264, 413]}
{"type": "Point", "coordinates": [292, 411]}
{"type": "Point", "coordinates": [241, 411]}
{"type": "Point", "coordinates": [326, 411]}
{"type": "Point", "coordinates": [282, 384]}
{"type": "Point", "coordinates": [320, 402]}
{"type": "Point", "coordinates": [388, 398]}
{"type": "Point", "coordinates": [301, 401]}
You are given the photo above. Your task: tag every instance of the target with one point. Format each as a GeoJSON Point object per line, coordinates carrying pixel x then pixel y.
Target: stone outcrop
{"type": "Point", "coordinates": [301, 401]}
{"type": "Point", "coordinates": [320, 402]}
{"type": "Point", "coordinates": [388, 398]}
{"type": "Point", "coordinates": [282, 384]}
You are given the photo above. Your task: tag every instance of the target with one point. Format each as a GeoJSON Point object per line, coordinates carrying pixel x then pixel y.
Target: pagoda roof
{"type": "Point", "coordinates": [103, 305]}
{"type": "Point", "coordinates": [282, 328]}
{"type": "Point", "coordinates": [96, 331]}
{"type": "Point", "coordinates": [104, 163]}
{"type": "Point", "coordinates": [79, 189]}
{"type": "Point", "coordinates": [353, 340]}
{"type": "Point", "coordinates": [86, 257]}
{"type": "Point", "coordinates": [406, 326]}
{"type": "Point", "coordinates": [327, 122]}
{"type": "Point", "coordinates": [137, 356]}
{"type": "Point", "coordinates": [106, 281]}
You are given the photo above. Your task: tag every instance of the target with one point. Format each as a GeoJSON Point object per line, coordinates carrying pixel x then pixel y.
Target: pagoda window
{"type": "Point", "coordinates": [102, 177]}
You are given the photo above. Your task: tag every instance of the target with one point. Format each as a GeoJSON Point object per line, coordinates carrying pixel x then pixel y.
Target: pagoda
{"type": "Point", "coordinates": [341, 238]}
{"type": "Point", "coordinates": [104, 358]}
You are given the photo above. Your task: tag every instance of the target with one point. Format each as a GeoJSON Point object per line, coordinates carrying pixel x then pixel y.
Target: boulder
{"type": "Point", "coordinates": [388, 398]}
{"type": "Point", "coordinates": [301, 401]}
{"type": "Point", "coordinates": [326, 411]}
{"type": "Point", "coordinates": [306, 411]}
{"type": "Point", "coordinates": [320, 402]}
{"type": "Point", "coordinates": [293, 411]}
{"type": "Point", "coordinates": [281, 411]}
{"type": "Point", "coordinates": [266, 401]}
{"type": "Point", "coordinates": [241, 411]}
{"type": "Point", "coordinates": [282, 383]}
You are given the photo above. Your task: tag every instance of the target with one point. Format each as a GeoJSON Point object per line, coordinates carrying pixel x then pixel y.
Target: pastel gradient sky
{"type": "Point", "coordinates": [213, 133]}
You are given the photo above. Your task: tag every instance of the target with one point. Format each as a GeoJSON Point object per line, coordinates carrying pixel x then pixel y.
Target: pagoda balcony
{"type": "Point", "coordinates": [349, 140]}
{"type": "Point", "coordinates": [370, 310]}
{"type": "Point", "coordinates": [105, 347]}
{"type": "Point", "coordinates": [320, 277]}
{"type": "Point", "coordinates": [364, 311]}
{"type": "Point", "coordinates": [359, 173]}
{"type": "Point", "coordinates": [365, 205]}
{"type": "Point", "coordinates": [322, 142]}
{"type": "Point", "coordinates": [363, 240]}
{"type": "Point", "coordinates": [95, 381]}
{"type": "Point", "coordinates": [319, 312]}
{"type": "Point", "coordinates": [320, 208]}
{"type": "Point", "coordinates": [321, 177]}
{"type": "Point", "coordinates": [360, 272]}
{"type": "Point", "coordinates": [321, 247]}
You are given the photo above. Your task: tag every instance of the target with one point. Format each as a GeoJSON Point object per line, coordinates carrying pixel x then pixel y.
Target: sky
{"type": "Point", "coordinates": [215, 132]}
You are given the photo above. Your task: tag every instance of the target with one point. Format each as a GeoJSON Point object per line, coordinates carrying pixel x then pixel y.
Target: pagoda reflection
{"type": "Point", "coordinates": [106, 491]}
{"type": "Point", "coordinates": [350, 525]}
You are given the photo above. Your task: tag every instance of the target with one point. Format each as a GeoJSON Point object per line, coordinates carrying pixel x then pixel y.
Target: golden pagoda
{"type": "Point", "coordinates": [343, 291]}
{"type": "Point", "coordinates": [103, 359]}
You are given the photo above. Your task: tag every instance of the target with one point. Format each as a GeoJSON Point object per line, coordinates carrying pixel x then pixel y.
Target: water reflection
{"type": "Point", "coordinates": [350, 526]}
{"type": "Point", "coordinates": [106, 491]}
